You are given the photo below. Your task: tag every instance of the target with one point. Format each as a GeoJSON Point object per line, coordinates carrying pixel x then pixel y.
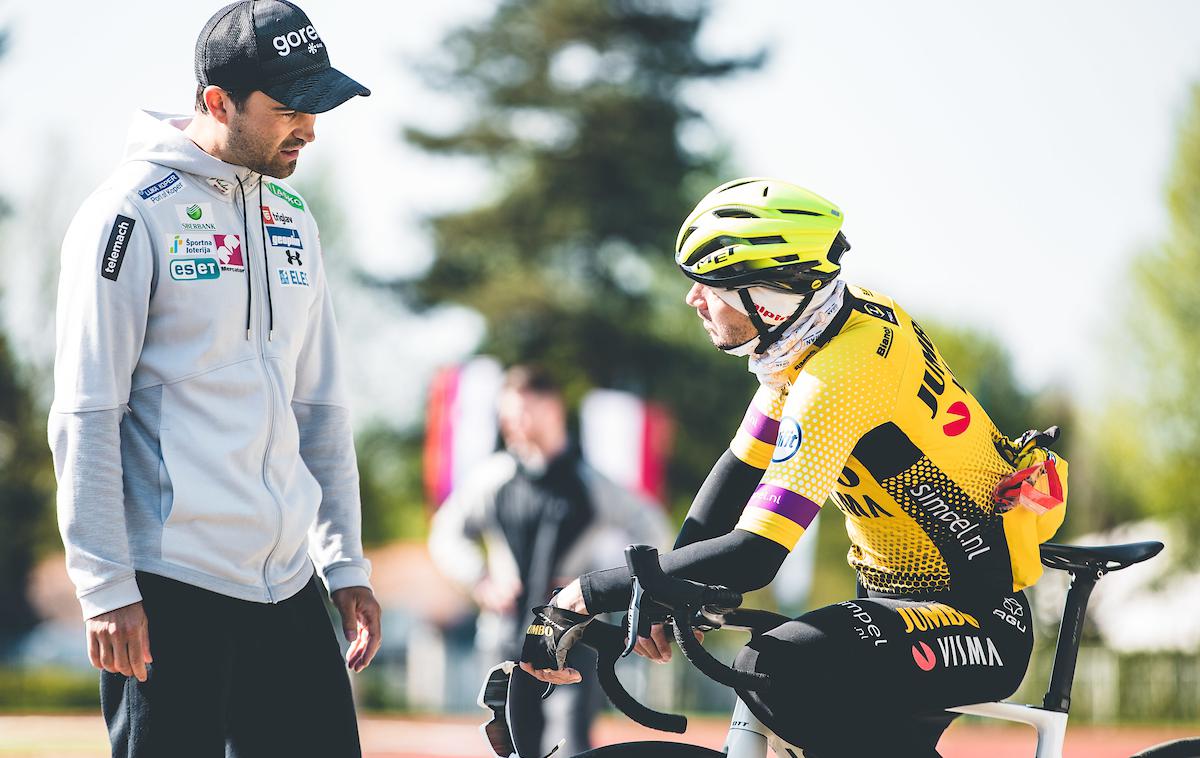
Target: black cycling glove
{"type": "Point", "coordinates": [551, 634]}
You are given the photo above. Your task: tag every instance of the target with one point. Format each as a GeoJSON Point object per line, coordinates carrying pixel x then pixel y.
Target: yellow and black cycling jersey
{"type": "Point", "coordinates": [874, 420]}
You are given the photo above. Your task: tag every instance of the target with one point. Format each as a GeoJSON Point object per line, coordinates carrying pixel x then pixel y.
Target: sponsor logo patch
{"type": "Point", "coordinates": [1011, 613]}
{"type": "Point", "coordinates": [290, 277]}
{"type": "Point", "coordinates": [162, 189]}
{"type": "Point", "coordinates": [865, 626]}
{"type": "Point", "coordinates": [931, 501]}
{"type": "Point", "coordinates": [959, 425]}
{"type": "Point", "coordinates": [305, 37]}
{"type": "Point", "coordinates": [957, 650]}
{"type": "Point", "coordinates": [788, 441]}
{"type": "Point", "coordinates": [285, 196]}
{"type": "Point", "coordinates": [885, 344]}
{"type": "Point", "coordinates": [923, 655]}
{"type": "Point", "coordinates": [922, 618]}
{"type": "Point", "coordinates": [114, 249]}
{"type": "Point", "coordinates": [280, 236]}
{"type": "Point", "coordinates": [293, 258]}
{"type": "Point", "coordinates": [227, 248]}
{"type": "Point", "coordinates": [220, 185]}
{"type": "Point", "coordinates": [197, 217]}
{"type": "Point", "coordinates": [194, 269]}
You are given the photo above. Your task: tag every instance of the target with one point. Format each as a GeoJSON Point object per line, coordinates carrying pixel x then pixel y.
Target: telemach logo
{"type": "Point", "coordinates": [922, 618]}
{"type": "Point", "coordinates": [114, 251]}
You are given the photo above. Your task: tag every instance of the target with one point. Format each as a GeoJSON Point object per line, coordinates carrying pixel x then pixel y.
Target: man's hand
{"type": "Point", "coordinates": [657, 647]}
{"type": "Point", "coordinates": [119, 641]}
{"type": "Point", "coordinates": [360, 614]}
{"type": "Point", "coordinates": [497, 595]}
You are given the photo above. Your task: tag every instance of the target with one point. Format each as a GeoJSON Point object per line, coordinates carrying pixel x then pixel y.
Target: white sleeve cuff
{"type": "Point", "coordinates": [341, 577]}
{"type": "Point", "coordinates": [109, 597]}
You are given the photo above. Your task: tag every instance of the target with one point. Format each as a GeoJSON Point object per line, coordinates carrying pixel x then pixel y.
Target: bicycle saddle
{"type": "Point", "coordinates": [1103, 557]}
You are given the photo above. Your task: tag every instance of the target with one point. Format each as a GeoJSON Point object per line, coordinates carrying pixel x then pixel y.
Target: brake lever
{"type": "Point", "coordinates": [635, 617]}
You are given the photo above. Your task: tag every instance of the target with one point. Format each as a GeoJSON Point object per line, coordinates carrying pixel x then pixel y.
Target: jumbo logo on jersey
{"type": "Point", "coordinates": [788, 441]}
{"type": "Point", "coordinates": [959, 425]}
{"type": "Point", "coordinates": [933, 384]}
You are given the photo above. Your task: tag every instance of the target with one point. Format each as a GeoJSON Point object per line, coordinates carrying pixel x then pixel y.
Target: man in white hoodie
{"type": "Point", "coordinates": [199, 425]}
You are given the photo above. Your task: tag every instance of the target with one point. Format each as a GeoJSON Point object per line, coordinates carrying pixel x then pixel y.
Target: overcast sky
{"type": "Point", "coordinates": [997, 164]}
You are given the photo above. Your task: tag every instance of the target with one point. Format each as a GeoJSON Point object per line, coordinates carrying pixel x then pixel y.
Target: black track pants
{"type": "Point", "coordinates": [871, 676]}
{"type": "Point", "coordinates": [256, 679]}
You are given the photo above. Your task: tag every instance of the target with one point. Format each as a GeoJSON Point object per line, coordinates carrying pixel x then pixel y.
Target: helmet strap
{"type": "Point", "coordinates": [768, 336]}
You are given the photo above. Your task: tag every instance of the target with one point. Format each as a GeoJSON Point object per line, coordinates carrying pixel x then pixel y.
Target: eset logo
{"type": "Point", "coordinates": [194, 269]}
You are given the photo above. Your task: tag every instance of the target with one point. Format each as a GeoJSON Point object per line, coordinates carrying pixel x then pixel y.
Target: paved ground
{"type": "Point", "coordinates": [41, 736]}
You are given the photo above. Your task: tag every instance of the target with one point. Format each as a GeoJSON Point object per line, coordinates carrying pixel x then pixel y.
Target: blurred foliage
{"type": "Point", "coordinates": [577, 110]}
{"type": "Point", "coordinates": [389, 468]}
{"type": "Point", "coordinates": [1147, 442]}
{"type": "Point", "coordinates": [27, 525]}
{"type": "Point", "coordinates": [48, 689]}
{"type": "Point", "coordinates": [1164, 313]}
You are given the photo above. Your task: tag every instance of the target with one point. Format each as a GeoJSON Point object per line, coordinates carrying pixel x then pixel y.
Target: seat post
{"type": "Point", "coordinates": [1066, 651]}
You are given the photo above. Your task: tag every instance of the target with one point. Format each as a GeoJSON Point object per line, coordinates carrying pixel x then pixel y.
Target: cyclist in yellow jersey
{"type": "Point", "coordinates": [855, 406]}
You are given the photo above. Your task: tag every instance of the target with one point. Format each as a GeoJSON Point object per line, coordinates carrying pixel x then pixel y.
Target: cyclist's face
{"type": "Point", "coordinates": [266, 135]}
{"type": "Point", "coordinates": [727, 327]}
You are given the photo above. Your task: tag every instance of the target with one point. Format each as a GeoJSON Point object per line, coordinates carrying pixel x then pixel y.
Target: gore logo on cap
{"type": "Point", "coordinates": [305, 35]}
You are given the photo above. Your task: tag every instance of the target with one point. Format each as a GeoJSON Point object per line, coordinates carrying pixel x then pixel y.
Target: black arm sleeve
{"type": "Point", "coordinates": [739, 560]}
{"type": "Point", "coordinates": [720, 501]}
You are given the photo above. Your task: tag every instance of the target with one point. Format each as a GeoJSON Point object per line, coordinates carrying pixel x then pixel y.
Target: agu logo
{"type": "Point", "coordinates": [788, 441]}
{"type": "Point", "coordinates": [194, 269]}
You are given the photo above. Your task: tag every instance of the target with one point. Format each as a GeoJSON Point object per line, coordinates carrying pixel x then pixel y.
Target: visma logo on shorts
{"type": "Point", "coordinates": [305, 35]}
{"type": "Point", "coordinates": [957, 650]}
{"type": "Point", "coordinates": [194, 269]}
{"type": "Point", "coordinates": [788, 441]}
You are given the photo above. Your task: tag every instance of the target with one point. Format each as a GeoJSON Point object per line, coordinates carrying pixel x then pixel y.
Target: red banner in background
{"type": "Point", "coordinates": [623, 436]}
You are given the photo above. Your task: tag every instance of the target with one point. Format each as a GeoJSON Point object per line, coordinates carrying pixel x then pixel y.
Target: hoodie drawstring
{"type": "Point", "coordinates": [262, 221]}
{"type": "Point", "coordinates": [245, 250]}
{"type": "Point", "coordinates": [266, 264]}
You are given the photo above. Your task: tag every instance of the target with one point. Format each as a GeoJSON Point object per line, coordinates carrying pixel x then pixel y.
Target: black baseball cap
{"type": "Point", "coordinates": [270, 45]}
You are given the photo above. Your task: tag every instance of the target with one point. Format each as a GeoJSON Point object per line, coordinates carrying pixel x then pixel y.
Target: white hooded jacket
{"type": "Point", "coordinates": [199, 427]}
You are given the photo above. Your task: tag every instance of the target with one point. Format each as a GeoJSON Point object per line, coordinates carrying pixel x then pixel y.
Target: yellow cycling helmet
{"type": "Point", "coordinates": [757, 232]}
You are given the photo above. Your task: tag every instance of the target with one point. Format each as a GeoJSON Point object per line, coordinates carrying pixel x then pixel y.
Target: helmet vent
{"type": "Point", "coordinates": [737, 184]}
{"type": "Point", "coordinates": [686, 234]}
{"type": "Point", "coordinates": [733, 213]}
{"type": "Point", "coordinates": [773, 239]}
{"type": "Point", "coordinates": [799, 212]}
{"type": "Point", "coordinates": [787, 259]}
{"type": "Point", "coordinates": [712, 246]}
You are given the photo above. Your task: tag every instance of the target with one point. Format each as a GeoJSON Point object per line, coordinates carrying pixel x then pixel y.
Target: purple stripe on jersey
{"type": "Point", "coordinates": [760, 426]}
{"type": "Point", "coordinates": [786, 503]}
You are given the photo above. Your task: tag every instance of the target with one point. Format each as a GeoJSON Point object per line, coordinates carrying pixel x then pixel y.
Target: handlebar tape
{"type": "Point", "coordinates": [608, 641]}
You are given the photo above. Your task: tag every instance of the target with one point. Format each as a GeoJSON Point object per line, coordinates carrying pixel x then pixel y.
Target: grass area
{"type": "Point", "coordinates": [48, 690]}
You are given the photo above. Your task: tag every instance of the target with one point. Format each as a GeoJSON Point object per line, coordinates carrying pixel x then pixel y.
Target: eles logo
{"type": "Point", "coordinates": [305, 35]}
{"type": "Point", "coordinates": [788, 441]}
{"type": "Point", "coordinates": [193, 269]}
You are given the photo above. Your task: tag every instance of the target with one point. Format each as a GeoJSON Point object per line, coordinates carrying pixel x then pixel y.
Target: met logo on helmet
{"type": "Point", "coordinates": [305, 35]}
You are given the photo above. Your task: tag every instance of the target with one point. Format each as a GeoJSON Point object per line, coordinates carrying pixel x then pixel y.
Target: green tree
{"type": "Point", "coordinates": [578, 110]}
{"type": "Point", "coordinates": [1152, 443]}
{"type": "Point", "coordinates": [26, 482]}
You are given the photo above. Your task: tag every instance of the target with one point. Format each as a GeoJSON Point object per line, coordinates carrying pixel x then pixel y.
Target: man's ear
{"type": "Point", "coordinates": [220, 106]}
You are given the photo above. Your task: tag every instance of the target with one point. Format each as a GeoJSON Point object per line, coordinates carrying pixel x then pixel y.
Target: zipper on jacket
{"type": "Point", "coordinates": [262, 361]}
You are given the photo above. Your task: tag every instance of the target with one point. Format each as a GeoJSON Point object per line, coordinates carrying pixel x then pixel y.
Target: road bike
{"type": "Point", "coordinates": [692, 606]}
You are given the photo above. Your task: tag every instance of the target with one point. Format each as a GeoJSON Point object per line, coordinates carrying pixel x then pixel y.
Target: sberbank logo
{"type": "Point", "coordinates": [283, 194]}
{"type": "Point", "coordinates": [194, 212]}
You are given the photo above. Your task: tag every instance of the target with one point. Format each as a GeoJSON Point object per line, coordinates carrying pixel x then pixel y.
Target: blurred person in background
{"type": "Point", "coordinates": [530, 518]}
{"type": "Point", "coordinates": [200, 432]}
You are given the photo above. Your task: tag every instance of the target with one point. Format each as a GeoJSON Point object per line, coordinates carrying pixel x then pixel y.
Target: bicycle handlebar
{"type": "Point", "coordinates": [680, 598]}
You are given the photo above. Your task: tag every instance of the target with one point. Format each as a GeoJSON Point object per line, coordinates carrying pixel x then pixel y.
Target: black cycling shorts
{"type": "Point", "coordinates": [871, 676]}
